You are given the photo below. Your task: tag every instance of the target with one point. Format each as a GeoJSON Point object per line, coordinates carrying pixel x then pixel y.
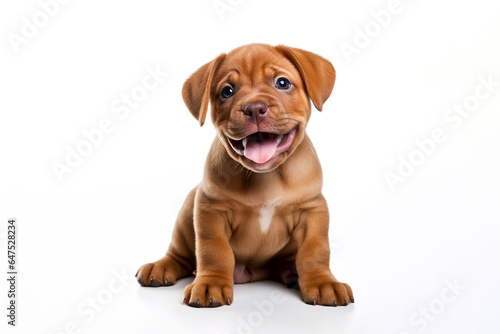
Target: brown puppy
{"type": "Point", "coordinates": [258, 213]}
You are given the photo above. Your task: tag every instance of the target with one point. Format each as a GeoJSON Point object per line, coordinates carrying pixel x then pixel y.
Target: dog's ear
{"type": "Point", "coordinates": [317, 73]}
{"type": "Point", "coordinates": [196, 89]}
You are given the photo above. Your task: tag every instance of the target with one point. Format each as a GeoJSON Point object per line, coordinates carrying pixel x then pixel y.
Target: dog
{"type": "Point", "coordinates": [258, 212]}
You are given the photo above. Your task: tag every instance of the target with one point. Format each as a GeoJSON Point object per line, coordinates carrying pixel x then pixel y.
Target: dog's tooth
{"type": "Point", "coordinates": [244, 142]}
{"type": "Point", "coordinates": [280, 138]}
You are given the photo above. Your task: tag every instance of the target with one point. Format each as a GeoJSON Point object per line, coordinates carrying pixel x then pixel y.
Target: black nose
{"type": "Point", "coordinates": [256, 111]}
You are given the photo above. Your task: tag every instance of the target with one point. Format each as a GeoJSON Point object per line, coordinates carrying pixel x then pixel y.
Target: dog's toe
{"type": "Point", "coordinates": [156, 274]}
{"type": "Point", "coordinates": [209, 292]}
{"type": "Point", "coordinates": [326, 291]}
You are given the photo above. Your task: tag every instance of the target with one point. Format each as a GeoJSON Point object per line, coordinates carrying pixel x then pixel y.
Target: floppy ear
{"type": "Point", "coordinates": [317, 73]}
{"type": "Point", "coordinates": [196, 89]}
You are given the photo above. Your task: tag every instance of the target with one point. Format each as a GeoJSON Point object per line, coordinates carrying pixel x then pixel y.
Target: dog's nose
{"type": "Point", "coordinates": [256, 111]}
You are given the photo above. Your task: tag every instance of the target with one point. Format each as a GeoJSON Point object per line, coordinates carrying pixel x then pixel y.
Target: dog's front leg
{"type": "Point", "coordinates": [213, 285]}
{"type": "Point", "coordinates": [316, 282]}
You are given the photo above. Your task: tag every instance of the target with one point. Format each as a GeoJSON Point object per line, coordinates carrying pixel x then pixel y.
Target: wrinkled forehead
{"type": "Point", "coordinates": [253, 65]}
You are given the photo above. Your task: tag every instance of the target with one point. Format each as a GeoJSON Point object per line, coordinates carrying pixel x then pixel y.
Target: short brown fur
{"type": "Point", "coordinates": [217, 233]}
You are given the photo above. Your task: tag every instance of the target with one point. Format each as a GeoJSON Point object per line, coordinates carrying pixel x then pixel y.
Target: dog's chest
{"type": "Point", "coordinates": [266, 214]}
{"type": "Point", "coordinates": [259, 220]}
{"type": "Point", "coordinates": [259, 233]}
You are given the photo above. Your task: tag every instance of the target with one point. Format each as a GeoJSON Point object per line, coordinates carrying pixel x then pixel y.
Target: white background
{"type": "Point", "coordinates": [398, 249]}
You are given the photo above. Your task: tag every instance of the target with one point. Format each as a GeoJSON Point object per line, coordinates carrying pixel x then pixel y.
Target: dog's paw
{"type": "Point", "coordinates": [326, 290]}
{"type": "Point", "coordinates": [156, 274]}
{"type": "Point", "coordinates": [209, 291]}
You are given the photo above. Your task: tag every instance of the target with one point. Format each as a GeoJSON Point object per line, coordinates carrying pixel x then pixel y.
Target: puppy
{"type": "Point", "coordinates": [259, 212]}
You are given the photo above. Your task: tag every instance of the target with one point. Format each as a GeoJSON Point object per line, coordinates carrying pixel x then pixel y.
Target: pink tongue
{"type": "Point", "coordinates": [261, 150]}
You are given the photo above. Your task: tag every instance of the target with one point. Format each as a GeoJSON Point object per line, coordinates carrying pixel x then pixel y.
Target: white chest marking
{"type": "Point", "coordinates": [266, 216]}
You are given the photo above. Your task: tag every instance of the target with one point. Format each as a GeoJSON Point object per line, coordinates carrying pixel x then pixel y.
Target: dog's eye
{"type": "Point", "coordinates": [283, 83]}
{"type": "Point", "coordinates": [227, 92]}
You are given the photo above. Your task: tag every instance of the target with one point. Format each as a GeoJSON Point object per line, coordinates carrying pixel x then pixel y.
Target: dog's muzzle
{"type": "Point", "coordinates": [260, 147]}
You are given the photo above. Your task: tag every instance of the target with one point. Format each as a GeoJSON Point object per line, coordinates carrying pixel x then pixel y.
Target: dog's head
{"type": "Point", "coordinates": [260, 97]}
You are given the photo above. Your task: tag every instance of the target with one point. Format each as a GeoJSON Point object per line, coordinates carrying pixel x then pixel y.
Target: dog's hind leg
{"type": "Point", "coordinates": [286, 272]}
{"type": "Point", "coordinates": [180, 259]}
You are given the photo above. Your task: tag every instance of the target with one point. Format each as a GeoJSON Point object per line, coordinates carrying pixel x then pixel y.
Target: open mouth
{"type": "Point", "coordinates": [260, 147]}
